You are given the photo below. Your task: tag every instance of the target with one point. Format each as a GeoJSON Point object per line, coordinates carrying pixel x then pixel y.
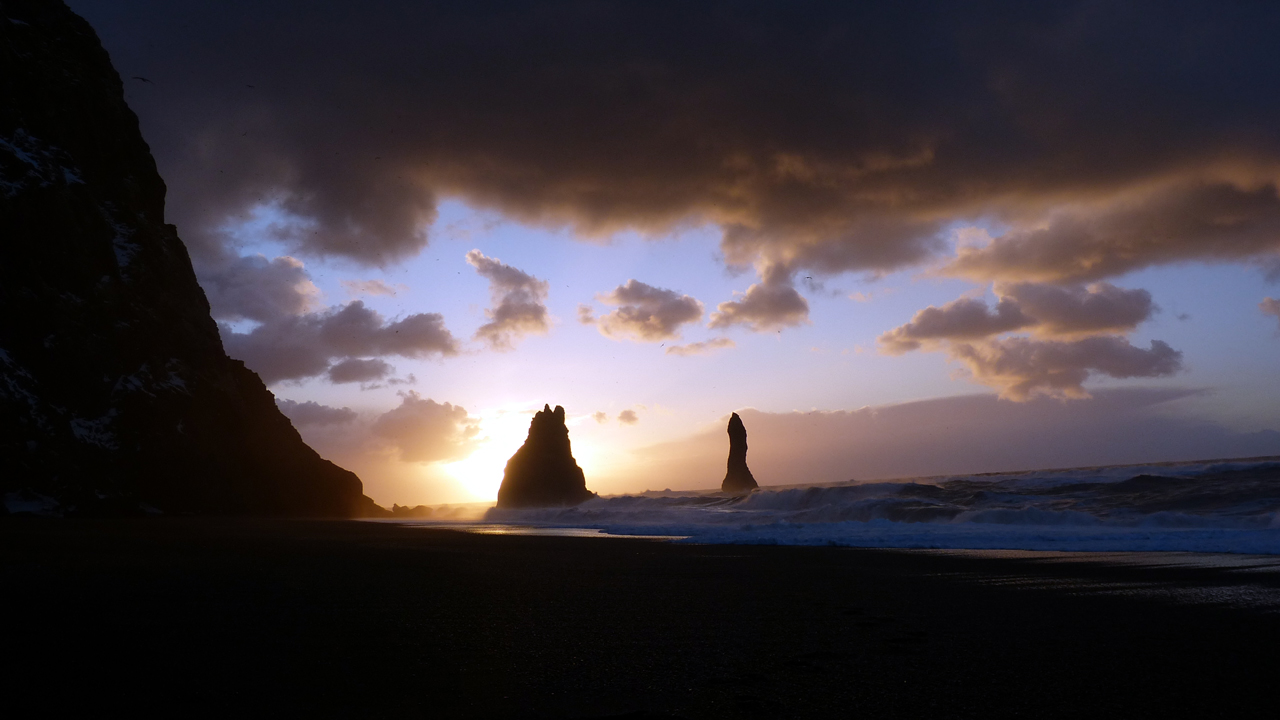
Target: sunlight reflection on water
{"type": "Point", "coordinates": [510, 529]}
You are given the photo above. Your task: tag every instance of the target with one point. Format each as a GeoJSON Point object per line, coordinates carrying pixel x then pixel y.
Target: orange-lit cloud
{"type": "Point", "coordinates": [426, 431]}
{"type": "Point", "coordinates": [628, 417]}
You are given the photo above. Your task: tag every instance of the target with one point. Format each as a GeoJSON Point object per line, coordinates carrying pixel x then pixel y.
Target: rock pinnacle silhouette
{"type": "Point", "coordinates": [738, 478]}
{"type": "Point", "coordinates": [543, 472]}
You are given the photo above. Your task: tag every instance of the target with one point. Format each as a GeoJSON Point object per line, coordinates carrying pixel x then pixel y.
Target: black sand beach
{"type": "Point", "coordinates": [295, 618]}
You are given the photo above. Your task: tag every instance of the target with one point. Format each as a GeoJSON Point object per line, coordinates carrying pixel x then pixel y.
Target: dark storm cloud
{"type": "Point", "coordinates": [300, 346]}
{"type": "Point", "coordinates": [820, 136]}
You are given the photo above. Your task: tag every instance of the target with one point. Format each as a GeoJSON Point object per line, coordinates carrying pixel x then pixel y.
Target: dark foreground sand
{"type": "Point", "coordinates": [296, 618]}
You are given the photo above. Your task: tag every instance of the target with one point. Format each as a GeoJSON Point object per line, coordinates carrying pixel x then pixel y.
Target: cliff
{"type": "Point", "coordinates": [115, 393]}
{"type": "Point", "coordinates": [543, 472]}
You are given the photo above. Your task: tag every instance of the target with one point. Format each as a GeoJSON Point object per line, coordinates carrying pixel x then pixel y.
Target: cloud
{"type": "Point", "coordinates": [700, 348]}
{"type": "Point", "coordinates": [963, 319]}
{"type": "Point", "coordinates": [311, 413]}
{"type": "Point", "coordinates": [769, 305]}
{"type": "Point", "coordinates": [1022, 368]}
{"type": "Point", "coordinates": [600, 417]}
{"type": "Point", "coordinates": [1075, 332]}
{"type": "Point", "coordinates": [955, 435]}
{"type": "Point", "coordinates": [255, 288]}
{"type": "Point", "coordinates": [1066, 311]}
{"type": "Point", "coordinates": [1270, 306]}
{"type": "Point", "coordinates": [830, 136]}
{"type": "Point", "coordinates": [520, 299]}
{"type": "Point", "coordinates": [645, 313]}
{"type": "Point", "coordinates": [371, 287]}
{"type": "Point", "coordinates": [304, 345]}
{"type": "Point", "coordinates": [361, 371]}
{"type": "Point", "coordinates": [1045, 310]}
{"type": "Point", "coordinates": [1208, 221]}
{"type": "Point", "coordinates": [426, 431]}
{"type": "Point", "coordinates": [628, 417]}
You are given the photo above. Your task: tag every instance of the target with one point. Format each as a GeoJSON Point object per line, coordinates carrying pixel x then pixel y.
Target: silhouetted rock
{"type": "Point", "coordinates": [543, 472]}
{"type": "Point", "coordinates": [420, 511]}
{"type": "Point", "coordinates": [116, 396]}
{"type": "Point", "coordinates": [738, 478]}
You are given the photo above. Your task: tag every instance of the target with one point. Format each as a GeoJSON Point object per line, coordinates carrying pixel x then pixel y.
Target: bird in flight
{"type": "Point", "coordinates": [139, 77]}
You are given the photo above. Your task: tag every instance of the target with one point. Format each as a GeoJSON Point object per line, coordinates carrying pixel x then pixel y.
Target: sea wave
{"type": "Point", "coordinates": [1228, 506]}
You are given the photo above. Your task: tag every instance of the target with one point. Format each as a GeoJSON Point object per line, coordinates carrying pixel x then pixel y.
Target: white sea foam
{"type": "Point", "coordinates": [1231, 507]}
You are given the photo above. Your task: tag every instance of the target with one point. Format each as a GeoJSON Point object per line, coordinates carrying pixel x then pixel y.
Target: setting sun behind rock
{"type": "Point", "coordinates": [502, 432]}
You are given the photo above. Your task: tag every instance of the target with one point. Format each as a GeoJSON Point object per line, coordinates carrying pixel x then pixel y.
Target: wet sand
{"type": "Point", "coordinates": [221, 617]}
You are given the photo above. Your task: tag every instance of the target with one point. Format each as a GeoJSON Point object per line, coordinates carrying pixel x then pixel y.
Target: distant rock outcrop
{"type": "Point", "coordinates": [543, 472]}
{"type": "Point", "coordinates": [115, 393]}
{"type": "Point", "coordinates": [738, 478]}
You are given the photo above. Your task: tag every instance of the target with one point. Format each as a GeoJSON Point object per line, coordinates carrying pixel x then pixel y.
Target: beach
{"type": "Point", "coordinates": [191, 617]}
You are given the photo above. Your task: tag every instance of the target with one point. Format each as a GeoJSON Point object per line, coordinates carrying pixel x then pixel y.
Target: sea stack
{"type": "Point", "coordinates": [738, 479]}
{"type": "Point", "coordinates": [543, 472]}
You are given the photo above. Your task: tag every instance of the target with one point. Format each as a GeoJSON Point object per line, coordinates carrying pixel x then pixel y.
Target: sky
{"type": "Point", "coordinates": [913, 239]}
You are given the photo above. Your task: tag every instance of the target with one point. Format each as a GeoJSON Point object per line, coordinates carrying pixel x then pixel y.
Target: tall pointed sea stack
{"type": "Point", "coordinates": [543, 472]}
{"type": "Point", "coordinates": [739, 478]}
{"type": "Point", "coordinates": [115, 393]}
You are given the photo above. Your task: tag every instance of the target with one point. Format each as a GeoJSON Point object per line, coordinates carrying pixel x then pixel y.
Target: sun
{"type": "Point", "coordinates": [502, 432]}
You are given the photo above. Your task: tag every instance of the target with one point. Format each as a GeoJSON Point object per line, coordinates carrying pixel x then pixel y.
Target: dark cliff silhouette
{"type": "Point", "coordinates": [738, 478]}
{"type": "Point", "coordinates": [543, 472]}
{"type": "Point", "coordinates": [115, 393]}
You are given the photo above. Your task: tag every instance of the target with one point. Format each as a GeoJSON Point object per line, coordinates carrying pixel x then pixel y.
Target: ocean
{"type": "Point", "coordinates": [1230, 506]}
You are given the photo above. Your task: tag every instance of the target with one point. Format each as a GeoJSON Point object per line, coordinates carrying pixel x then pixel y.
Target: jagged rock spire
{"type": "Point", "coordinates": [738, 478]}
{"type": "Point", "coordinates": [543, 472]}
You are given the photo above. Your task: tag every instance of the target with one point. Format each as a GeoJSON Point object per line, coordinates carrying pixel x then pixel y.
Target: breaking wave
{"type": "Point", "coordinates": [1228, 506]}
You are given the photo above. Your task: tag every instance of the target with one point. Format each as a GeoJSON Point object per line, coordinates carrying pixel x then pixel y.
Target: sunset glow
{"type": "Point", "coordinates": [415, 290]}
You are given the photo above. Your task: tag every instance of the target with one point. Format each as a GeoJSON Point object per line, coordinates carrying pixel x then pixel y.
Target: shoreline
{"type": "Point", "coordinates": [214, 616]}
